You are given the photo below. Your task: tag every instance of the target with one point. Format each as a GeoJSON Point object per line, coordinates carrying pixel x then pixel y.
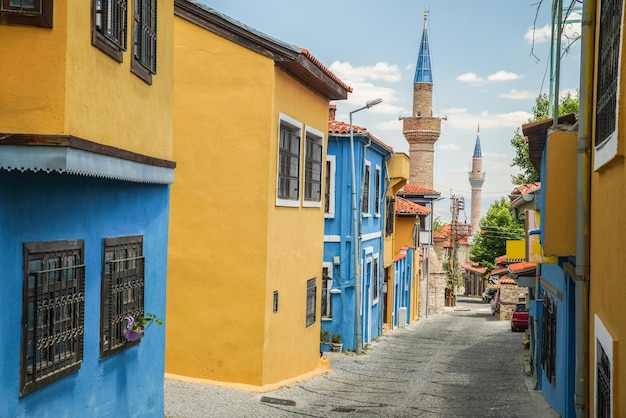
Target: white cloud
{"type": "Point", "coordinates": [494, 155]}
{"type": "Point", "coordinates": [390, 125]}
{"type": "Point", "coordinates": [461, 119]}
{"type": "Point", "coordinates": [471, 78]}
{"type": "Point", "coordinates": [381, 71]}
{"type": "Point", "coordinates": [538, 35]}
{"type": "Point", "coordinates": [519, 95]}
{"type": "Point", "coordinates": [449, 147]}
{"type": "Point", "coordinates": [503, 76]}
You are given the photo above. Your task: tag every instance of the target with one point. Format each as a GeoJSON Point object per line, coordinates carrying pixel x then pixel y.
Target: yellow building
{"type": "Point", "coordinates": [247, 218]}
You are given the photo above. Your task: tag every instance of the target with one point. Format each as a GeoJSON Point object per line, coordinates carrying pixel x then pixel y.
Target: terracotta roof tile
{"type": "Point", "coordinates": [399, 257]}
{"type": "Point", "coordinates": [325, 70]}
{"type": "Point", "coordinates": [473, 266]}
{"type": "Point", "coordinates": [523, 266]}
{"type": "Point", "coordinates": [414, 189]}
{"type": "Point", "coordinates": [506, 280]}
{"type": "Point", "coordinates": [404, 206]}
{"type": "Point", "coordinates": [526, 188]}
{"type": "Point", "coordinates": [338, 127]}
{"type": "Point", "coordinates": [439, 235]}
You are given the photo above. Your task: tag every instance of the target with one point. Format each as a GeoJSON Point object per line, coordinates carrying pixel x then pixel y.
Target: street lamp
{"type": "Point", "coordinates": [356, 239]}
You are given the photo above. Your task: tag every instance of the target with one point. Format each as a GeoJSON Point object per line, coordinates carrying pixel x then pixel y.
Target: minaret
{"type": "Point", "coordinates": [476, 179]}
{"type": "Point", "coordinates": [421, 129]}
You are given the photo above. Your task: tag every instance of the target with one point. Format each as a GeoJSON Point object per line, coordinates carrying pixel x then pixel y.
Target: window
{"type": "Point", "coordinates": [329, 187]}
{"type": "Point", "coordinates": [311, 295]}
{"type": "Point", "coordinates": [548, 343]}
{"type": "Point", "coordinates": [389, 213]}
{"type": "Point", "coordinates": [314, 142]}
{"type": "Point", "coordinates": [375, 279]}
{"type": "Point", "coordinates": [53, 312]}
{"type": "Point", "coordinates": [275, 301]}
{"type": "Point", "coordinates": [145, 39]}
{"type": "Point", "coordinates": [608, 80]}
{"type": "Point", "coordinates": [604, 371]}
{"type": "Point", "coordinates": [26, 12]}
{"type": "Point", "coordinates": [122, 290]}
{"type": "Point", "coordinates": [365, 199]}
{"type": "Point", "coordinates": [109, 26]}
{"type": "Point", "coordinates": [377, 192]}
{"type": "Point", "coordinates": [288, 187]}
{"type": "Point", "coordinates": [327, 284]}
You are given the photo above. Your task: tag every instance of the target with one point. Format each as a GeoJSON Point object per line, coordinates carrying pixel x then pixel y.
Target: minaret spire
{"type": "Point", "coordinates": [476, 179]}
{"type": "Point", "coordinates": [421, 129]}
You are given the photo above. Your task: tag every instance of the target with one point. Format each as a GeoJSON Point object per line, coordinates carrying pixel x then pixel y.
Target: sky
{"type": "Point", "coordinates": [488, 66]}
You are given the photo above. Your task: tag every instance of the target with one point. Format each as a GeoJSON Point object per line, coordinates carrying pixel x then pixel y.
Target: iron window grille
{"type": "Point", "coordinates": [145, 39]}
{"type": "Point", "coordinates": [377, 192]}
{"type": "Point", "coordinates": [110, 26]}
{"type": "Point", "coordinates": [327, 188]}
{"type": "Point", "coordinates": [26, 12]}
{"type": "Point", "coordinates": [289, 163]}
{"type": "Point", "coordinates": [548, 343]}
{"type": "Point", "coordinates": [52, 312]}
{"type": "Point", "coordinates": [603, 377]}
{"type": "Point", "coordinates": [365, 199]}
{"type": "Point", "coordinates": [313, 168]}
{"type": "Point", "coordinates": [389, 213]}
{"type": "Point", "coordinates": [327, 284]}
{"type": "Point", "coordinates": [311, 295]}
{"type": "Point", "coordinates": [608, 69]}
{"type": "Point", "coordinates": [122, 291]}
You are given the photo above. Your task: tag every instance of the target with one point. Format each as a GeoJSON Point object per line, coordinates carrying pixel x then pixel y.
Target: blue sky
{"type": "Point", "coordinates": [484, 71]}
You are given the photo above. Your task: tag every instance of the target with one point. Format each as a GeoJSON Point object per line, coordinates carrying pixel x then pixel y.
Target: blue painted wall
{"type": "Point", "coordinates": [46, 207]}
{"type": "Point", "coordinates": [371, 227]}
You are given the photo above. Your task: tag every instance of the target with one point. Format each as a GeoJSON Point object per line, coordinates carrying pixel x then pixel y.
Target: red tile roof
{"type": "Point", "coordinates": [496, 272]}
{"type": "Point", "coordinates": [523, 266]}
{"type": "Point", "coordinates": [473, 266]}
{"type": "Point", "coordinates": [404, 206]}
{"type": "Point", "coordinates": [338, 127]}
{"type": "Point", "coordinates": [399, 256]}
{"type": "Point", "coordinates": [506, 280]}
{"type": "Point", "coordinates": [526, 188]}
{"type": "Point", "coordinates": [414, 189]}
{"type": "Point", "coordinates": [439, 235]}
{"type": "Point", "coordinates": [325, 70]}
{"type": "Point", "coordinates": [500, 260]}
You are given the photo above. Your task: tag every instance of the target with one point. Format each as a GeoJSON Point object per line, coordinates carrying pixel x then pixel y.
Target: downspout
{"type": "Point", "coordinates": [583, 202]}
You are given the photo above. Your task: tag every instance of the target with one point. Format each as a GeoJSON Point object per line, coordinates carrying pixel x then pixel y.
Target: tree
{"type": "Point", "coordinates": [568, 104]}
{"type": "Point", "coordinates": [496, 228]}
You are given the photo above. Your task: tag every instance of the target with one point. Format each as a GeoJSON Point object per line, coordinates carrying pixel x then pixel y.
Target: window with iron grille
{"type": "Point", "coordinates": [607, 80]}
{"type": "Point", "coordinates": [375, 279]}
{"type": "Point", "coordinates": [327, 284]}
{"type": "Point", "coordinates": [377, 192]}
{"type": "Point", "coordinates": [390, 214]}
{"type": "Point", "coordinates": [145, 39]}
{"type": "Point", "coordinates": [313, 168]}
{"type": "Point", "coordinates": [548, 334]}
{"type": "Point", "coordinates": [365, 199]}
{"type": "Point", "coordinates": [603, 379]}
{"type": "Point", "coordinates": [109, 26]}
{"type": "Point", "coordinates": [122, 290]}
{"type": "Point", "coordinates": [26, 12]}
{"type": "Point", "coordinates": [288, 189]}
{"type": "Point", "coordinates": [329, 187]}
{"type": "Point", "coordinates": [311, 295]}
{"type": "Point", "coordinates": [53, 312]}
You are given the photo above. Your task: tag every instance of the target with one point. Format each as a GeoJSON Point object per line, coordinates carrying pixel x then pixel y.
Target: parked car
{"type": "Point", "coordinates": [519, 319]}
{"type": "Point", "coordinates": [489, 293]}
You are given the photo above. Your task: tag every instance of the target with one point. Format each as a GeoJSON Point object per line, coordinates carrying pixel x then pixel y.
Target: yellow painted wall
{"type": "Point", "coordinates": [295, 239]}
{"type": "Point", "coordinates": [32, 64]}
{"type": "Point", "coordinates": [55, 82]}
{"type": "Point", "coordinates": [218, 221]}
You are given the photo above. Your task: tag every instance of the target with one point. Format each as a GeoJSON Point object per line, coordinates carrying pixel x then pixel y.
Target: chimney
{"type": "Point", "coordinates": [332, 109]}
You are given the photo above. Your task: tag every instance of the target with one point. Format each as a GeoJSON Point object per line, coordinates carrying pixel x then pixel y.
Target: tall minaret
{"type": "Point", "coordinates": [476, 179]}
{"type": "Point", "coordinates": [421, 129]}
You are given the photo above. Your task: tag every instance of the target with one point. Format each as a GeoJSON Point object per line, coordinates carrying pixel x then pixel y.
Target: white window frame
{"type": "Point", "coordinates": [317, 136]}
{"type": "Point", "coordinates": [367, 174]}
{"type": "Point", "coordinates": [329, 268]}
{"type": "Point", "coordinates": [603, 338]}
{"type": "Point", "coordinates": [608, 149]}
{"type": "Point", "coordinates": [284, 119]}
{"type": "Point", "coordinates": [330, 175]}
{"type": "Point", "coordinates": [378, 174]}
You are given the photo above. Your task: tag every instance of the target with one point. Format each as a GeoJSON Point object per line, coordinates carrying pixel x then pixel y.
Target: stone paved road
{"type": "Point", "coordinates": [461, 364]}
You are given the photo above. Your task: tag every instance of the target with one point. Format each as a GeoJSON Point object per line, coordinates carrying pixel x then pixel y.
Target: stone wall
{"type": "Point", "coordinates": [510, 295]}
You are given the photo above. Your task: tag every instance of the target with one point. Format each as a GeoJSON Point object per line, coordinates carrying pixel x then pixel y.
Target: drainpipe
{"type": "Point", "coordinates": [583, 179]}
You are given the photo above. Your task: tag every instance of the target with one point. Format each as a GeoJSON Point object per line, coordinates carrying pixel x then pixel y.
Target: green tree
{"type": "Point", "coordinates": [528, 174]}
{"type": "Point", "coordinates": [496, 228]}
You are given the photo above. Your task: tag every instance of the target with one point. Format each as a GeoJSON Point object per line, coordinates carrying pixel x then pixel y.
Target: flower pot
{"type": "Point", "coordinates": [131, 335]}
{"type": "Point", "coordinates": [324, 347]}
{"type": "Point", "coordinates": [337, 347]}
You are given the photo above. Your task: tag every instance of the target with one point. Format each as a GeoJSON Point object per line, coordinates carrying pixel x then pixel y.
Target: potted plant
{"type": "Point", "coordinates": [335, 343]}
{"type": "Point", "coordinates": [324, 339]}
{"type": "Point", "coordinates": [136, 326]}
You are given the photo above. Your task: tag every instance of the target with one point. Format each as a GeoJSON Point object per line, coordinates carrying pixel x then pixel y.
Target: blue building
{"type": "Point", "coordinates": [340, 240]}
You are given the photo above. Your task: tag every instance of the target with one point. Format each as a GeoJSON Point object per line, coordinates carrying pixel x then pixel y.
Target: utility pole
{"type": "Point", "coordinates": [457, 204]}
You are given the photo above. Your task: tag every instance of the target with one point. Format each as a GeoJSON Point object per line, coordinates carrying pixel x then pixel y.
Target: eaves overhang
{"type": "Point", "coordinates": [537, 134]}
{"type": "Point", "coordinates": [75, 156]}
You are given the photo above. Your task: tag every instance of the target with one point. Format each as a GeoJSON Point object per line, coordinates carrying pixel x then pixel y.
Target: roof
{"type": "Point", "coordinates": [477, 151]}
{"type": "Point", "coordinates": [415, 190]}
{"type": "Point", "coordinates": [338, 127]}
{"type": "Point", "coordinates": [537, 133]}
{"type": "Point", "coordinates": [496, 272]}
{"type": "Point", "coordinates": [473, 266]}
{"type": "Point", "coordinates": [506, 280]}
{"type": "Point", "coordinates": [517, 268]}
{"type": "Point", "coordinates": [423, 72]}
{"type": "Point", "coordinates": [299, 62]}
{"type": "Point", "coordinates": [405, 207]}
{"type": "Point", "coordinates": [526, 189]}
{"type": "Point", "coordinates": [439, 235]}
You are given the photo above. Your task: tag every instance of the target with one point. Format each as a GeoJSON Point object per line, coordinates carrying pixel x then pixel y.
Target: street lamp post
{"type": "Point", "coordinates": [356, 238]}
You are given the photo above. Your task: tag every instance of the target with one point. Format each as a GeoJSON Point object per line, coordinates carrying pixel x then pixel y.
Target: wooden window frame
{"type": "Point", "coordinates": [53, 310]}
{"type": "Point", "coordinates": [122, 290]}
{"type": "Point", "coordinates": [144, 62]}
{"type": "Point", "coordinates": [114, 43]}
{"type": "Point", "coordinates": [40, 15]}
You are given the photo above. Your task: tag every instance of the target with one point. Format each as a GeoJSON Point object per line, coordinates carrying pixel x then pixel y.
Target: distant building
{"type": "Point", "coordinates": [476, 179]}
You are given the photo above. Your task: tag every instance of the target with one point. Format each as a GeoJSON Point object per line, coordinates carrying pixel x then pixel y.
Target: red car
{"type": "Point", "coordinates": [519, 319]}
